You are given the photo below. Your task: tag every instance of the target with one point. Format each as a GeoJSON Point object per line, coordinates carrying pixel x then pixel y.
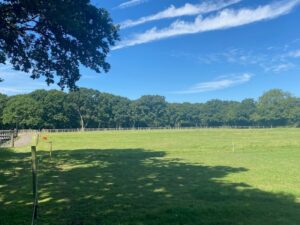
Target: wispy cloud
{"type": "Point", "coordinates": [218, 84]}
{"type": "Point", "coordinates": [277, 59]}
{"type": "Point", "coordinates": [186, 10]}
{"type": "Point", "coordinates": [131, 3]}
{"type": "Point", "coordinates": [225, 19]}
{"type": "Point", "coordinates": [295, 54]}
{"type": "Point", "coordinates": [16, 82]}
{"type": "Point", "coordinates": [280, 67]}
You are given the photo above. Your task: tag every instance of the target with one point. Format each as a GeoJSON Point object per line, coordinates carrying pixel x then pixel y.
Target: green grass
{"type": "Point", "coordinates": [208, 176]}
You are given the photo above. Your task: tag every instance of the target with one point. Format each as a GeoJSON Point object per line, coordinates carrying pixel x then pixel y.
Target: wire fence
{"type": "Point", "coordinates": [139, 129]}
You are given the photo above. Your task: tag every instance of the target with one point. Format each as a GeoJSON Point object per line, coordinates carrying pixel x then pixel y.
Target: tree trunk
{"type": "Point", "coordinates": [81, 122]}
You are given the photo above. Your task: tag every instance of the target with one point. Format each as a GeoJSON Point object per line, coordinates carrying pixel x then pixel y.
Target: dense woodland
{"type": "Point", "coordinates": [89, 108]}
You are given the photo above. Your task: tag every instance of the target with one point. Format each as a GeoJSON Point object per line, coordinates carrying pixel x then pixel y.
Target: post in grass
{"type": "Point", "coordinates": [12, 139]}
{"type": "Point", "coordinates": [50, 148]}
{"type": "Point", "coordinates": [37, 139]}
{"type": "Point", "coordinates": [34, 182]}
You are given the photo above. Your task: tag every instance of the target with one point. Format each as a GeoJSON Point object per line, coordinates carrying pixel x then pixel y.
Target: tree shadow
{"type": "Point", "coordinates": [133, 186]}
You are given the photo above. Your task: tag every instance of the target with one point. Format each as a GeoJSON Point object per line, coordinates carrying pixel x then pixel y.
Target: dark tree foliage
{"type": "Point", "coordinates": [49, 38]}
{"type": "Point", "coordinates": [85, 102]}
{"type": "Point", "coordinates": [57, 110]}
{"type": "Point", "coordinates": [150, 111]}
{"type": "Point", "coordinates": [184, 115]}
{"type": "Point", "coordinates": [272, 107]}
{"type": "Point", "coordinates": [3, 100]}
{"type": "Point", "coordinates": [23, 112]}
{"type": "Point", "coordinates": [244, 111]}
{"type": "Point", "coordinates": [87, 108]}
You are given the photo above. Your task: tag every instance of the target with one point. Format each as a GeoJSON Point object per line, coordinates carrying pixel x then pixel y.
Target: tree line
{"type": "Point", "coordinates": [88, 108]}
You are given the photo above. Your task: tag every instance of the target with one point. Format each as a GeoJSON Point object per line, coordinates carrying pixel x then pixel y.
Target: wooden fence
{"type": "Point", "coordinates": [7, 136]}
{"type": "Point", "coordinates": [139, 128]}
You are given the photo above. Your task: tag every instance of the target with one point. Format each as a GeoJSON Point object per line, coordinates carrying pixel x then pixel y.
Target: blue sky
{"type": "Point", "coordinates": [194, 50]}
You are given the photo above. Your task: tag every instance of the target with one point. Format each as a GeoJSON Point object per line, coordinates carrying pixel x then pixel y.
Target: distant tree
{"type": "Point", "coordinates": [52, 38]}
{"type": "Point", "coordinates": [214, 113]}
{"type": "Point", "coordinates": [230, 109]}
{"type": "Point", "coordinates": [105, 110]}
{"type": "Point", "coordinates": [174, 115]}
{"type": "Point", "coordinates": [89, 108]}
{"type": "Point", "coordinates": [23, 112]}
{"type": "Point", "coordinates": [184, 115]}
{"type": "Point", "coordinates": [138, 120]}
{"type": "Point", "coordinates": [85, 102]}
{"type": "Point", "coordinates": [57, 111]}
{"type": "Point", "coordinates": [3, 100]}
{"type": "Point", "coordinates": [151, 110]}
{"type": "Point", "coordinates": [39, 95]}
{"type": "Point", "coordinates": [292, 111]}
{"type": "Point", "coordinates": [272, 107]}
{"type": "Point", "coordinates": [113, 111]}
{"type": "Point", "coordinates": [121, 112]}
{"type": "Point", "coordinates": [242, 113]}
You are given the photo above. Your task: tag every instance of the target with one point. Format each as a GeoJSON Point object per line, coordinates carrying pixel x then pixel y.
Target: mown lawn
{"type": "Point", "coordinates": [208, 176]}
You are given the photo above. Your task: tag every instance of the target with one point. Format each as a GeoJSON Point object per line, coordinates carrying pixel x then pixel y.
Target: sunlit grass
{"type": "Point", "coordinates": [207, 176]}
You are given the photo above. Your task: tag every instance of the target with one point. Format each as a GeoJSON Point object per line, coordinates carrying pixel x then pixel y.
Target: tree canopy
{"type": "Point", "coordinates": [52, 38]}
{"type": "Point", "coordinates": [23, 111]}
{"type": "Point", "coordinates": [88, 108]}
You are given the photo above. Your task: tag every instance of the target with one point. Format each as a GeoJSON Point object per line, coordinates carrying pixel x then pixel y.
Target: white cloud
{"type": "Point", "coordinates": [131, 3]}
{"type": "Point", "coordinates": [295, 54]}
{"type": "Point", "coordinates": [233, 55]}
{"type": "Point", "coordinates": [283, 67]}
{"type": "Point", "coordinates": [16, 82]}
{"type": "Point", "coordinates": [218, 84]}
{"type": "Point", "coordinates": [186, 10]}
{"type": "Point", "coordinates": [275, 59]}
{"type": "Point", "coordinates": [225, 19]}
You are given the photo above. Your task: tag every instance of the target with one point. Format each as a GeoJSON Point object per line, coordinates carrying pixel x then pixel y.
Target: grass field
{"type": "Point", "coordinates": [207, 177]}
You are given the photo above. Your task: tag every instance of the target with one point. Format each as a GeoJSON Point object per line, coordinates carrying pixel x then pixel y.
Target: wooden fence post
{"type": "Point", "coordinates": [37, 139]}
{"type": "Point", "coordinates": [34, 182]}
{"type": "Point", "coordinates": [12, 140]}
{"type": "Point", "coordinates": [50, 143]}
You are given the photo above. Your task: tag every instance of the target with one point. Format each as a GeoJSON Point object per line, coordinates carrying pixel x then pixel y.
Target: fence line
{"type": "Point", "coordinates": [7, 136]}
{"type": "Point", "coordinates": [139, 128]}
{"type": "Point", "coordinates": [28, 131]}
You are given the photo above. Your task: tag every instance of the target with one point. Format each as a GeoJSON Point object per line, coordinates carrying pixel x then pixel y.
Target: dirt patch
{"type": "Point", "coordinates": [23, 140]}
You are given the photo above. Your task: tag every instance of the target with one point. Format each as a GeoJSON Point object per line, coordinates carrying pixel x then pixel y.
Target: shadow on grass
{"type": "Point", "coordinates": [133, 186]}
